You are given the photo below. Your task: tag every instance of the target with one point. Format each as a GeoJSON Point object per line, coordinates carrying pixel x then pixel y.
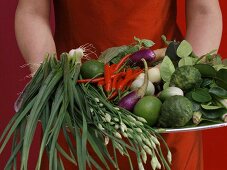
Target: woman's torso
{"type": "Point", "coordinates": [108, 23]}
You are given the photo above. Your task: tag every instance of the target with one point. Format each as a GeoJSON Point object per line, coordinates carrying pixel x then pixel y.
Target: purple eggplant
{"type": "Point", "coordinates": [129, 101]}
{"type": "Point", "coordinates": [147, 54]}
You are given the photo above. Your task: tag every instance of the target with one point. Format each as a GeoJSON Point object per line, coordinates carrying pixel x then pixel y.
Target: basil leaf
{"type": "Point", "coordinates": [184, 49]}
{"type": "Point", "coordinates": [218, 91]}
{"type": "Point", "coordinates": [144, 42]}
{"type": "Point", "coordinates": [165, 40]}
{"type": "Point", "coordinates": [206, 82]}
{"type": "Point", "coordinates": [213, 114]}
{"type": "Point", "coordinates": [220, 66]}
{"type": "Point", "coordinates": [147, 43]}
{"type": "Point", "coordinates": [201, 95]}
{"type": "Point", "coordinates": [206, 70]}
{"type": "Point", "coordinates": [110, 53]}
{"type": "Point", "coordinates": [166, 69]}
{"type": "Point", "coordinates": [186, 61]}
{"type": "Point", "coordinates": [221, 78]}
{"type": "Point", "coordinates": [210, 107]}
{"type": "Point", "coordinates": [166, 85]}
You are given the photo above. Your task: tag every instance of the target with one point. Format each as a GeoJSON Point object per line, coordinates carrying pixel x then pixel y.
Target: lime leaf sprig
{"type": "Point", "coordinates": [184, 49]}
{"type": "Point", "coordinates": [166, 70]}
{"type": "Point", "coordinates": [144, 42]}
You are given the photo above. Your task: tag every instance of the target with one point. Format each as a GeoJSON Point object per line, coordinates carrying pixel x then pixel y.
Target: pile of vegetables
{"type": "Point", "coordinates": [56, 99]}
{"type": "Point", "coordinates": [118, 101]}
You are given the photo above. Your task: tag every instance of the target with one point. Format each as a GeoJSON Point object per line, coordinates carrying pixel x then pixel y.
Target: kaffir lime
{"type": "Point", "coordinates": [91, 69]}
{"type": "Point", "coordinates": [148, 107]}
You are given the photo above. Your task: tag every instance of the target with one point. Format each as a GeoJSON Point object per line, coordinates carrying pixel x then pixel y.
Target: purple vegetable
{"type": "Point", "coordinates": [128, 102]}
{"type": "Point", "coordinates": [147, 54]}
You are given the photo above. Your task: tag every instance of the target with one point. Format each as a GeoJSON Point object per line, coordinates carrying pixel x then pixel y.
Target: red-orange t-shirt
{"type": "Point", "coordinates": [108, 23]}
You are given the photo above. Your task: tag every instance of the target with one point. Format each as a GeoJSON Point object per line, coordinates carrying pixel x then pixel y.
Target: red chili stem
{"type": "Point", "coordinates": [121, 62]}
{"type": "Point", "coordinates": [101, 83]}
{"type": "Point", "coordinates": [123, 84]}
{"type": "Point", "coordinates": [113, 95]}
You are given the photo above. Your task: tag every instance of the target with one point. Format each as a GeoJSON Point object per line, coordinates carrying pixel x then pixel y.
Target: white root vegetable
{"type": "Point", "coordinates": [137, 83]}
{"type": "Point", "coordinates": [170, 91]}
{"type": "Point", "coordinates": [154, 74]}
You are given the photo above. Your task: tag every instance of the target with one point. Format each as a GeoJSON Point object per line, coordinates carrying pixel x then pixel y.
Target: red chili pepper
{"type": "Point", "coordinates": [121, 62]}
{"type": "Point", "coordinates": [113, 95]}
{"type": "Point", "coordinates": [107, 77]}
{"type": "Point", "coordinates": [123, 84]}
{"type": "Point", "coordinates": [112, 68]}
{"type": "Point", "coordinates": [95, 80]}
{"type": "Point", "coordinates": [115, 80]}
{"type": "Point", "coordinates": [101, 83]}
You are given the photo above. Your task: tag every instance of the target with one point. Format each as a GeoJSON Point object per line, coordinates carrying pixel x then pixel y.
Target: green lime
{"type": "Point", "coordinates": [91, 69]}
{"type": "Point", "coordinates": [148, 107]}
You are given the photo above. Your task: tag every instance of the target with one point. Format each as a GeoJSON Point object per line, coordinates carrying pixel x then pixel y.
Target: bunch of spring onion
{"type": "Point", "coordinates": [54, 99]}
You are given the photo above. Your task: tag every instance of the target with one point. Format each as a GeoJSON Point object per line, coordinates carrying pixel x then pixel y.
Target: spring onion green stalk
{"type": "Point", "coordinates": [58, 103]}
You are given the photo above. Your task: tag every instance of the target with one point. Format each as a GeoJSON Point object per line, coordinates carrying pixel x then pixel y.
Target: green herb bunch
{"type": "Point", "coordinates": [54, 99]}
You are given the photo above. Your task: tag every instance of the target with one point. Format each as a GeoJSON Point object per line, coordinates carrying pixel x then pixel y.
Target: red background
{"type": "Point", "coordinates": [13, 78]}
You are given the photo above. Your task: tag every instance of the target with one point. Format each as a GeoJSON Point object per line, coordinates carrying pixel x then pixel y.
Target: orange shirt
{"type": "Point", "coordinates": [108, 23]}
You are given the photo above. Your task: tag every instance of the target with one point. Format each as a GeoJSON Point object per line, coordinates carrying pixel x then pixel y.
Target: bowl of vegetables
{"type": "Point", "coordinates": [127, 97]}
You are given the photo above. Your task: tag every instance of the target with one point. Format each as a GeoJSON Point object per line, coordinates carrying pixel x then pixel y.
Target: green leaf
{"type": "Point", "coordinates": [166, 69]}
{"type": "Point", "coordinates": [206, 70]}
{"type": "Point", "coordinates": [184, 49]}
{"type": "Point", "coordinates": [210, 107]}
{"type": "Point", "coordinates": [144, 42]}
{"type": "Point", "coordinates": [201, 95]}
{"type": "Point", "coordinates": [186, 61]}
{"type": "Point", "coordinates": [166, 85]}
{"type": "Point", "coordinates": [213, 114]}
{"type": "Point", "coordinates": [147, 43]}
{"type": "Point", "coordinates": [165, 40]}
{"type": "Point", "coordinates": [220, 66]}
{"type": "Point", "coordinates": [218, 91]}
{"type": "Point", "coordinates": [221, 78]}
{"type": "Point", "coordinates": [110, 53]}
{"type": "Point", "coordinates": [207, 82]}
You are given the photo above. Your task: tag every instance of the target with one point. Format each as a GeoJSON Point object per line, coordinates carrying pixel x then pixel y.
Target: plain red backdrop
{"type": "Point", "coordinates": [13, 77]}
